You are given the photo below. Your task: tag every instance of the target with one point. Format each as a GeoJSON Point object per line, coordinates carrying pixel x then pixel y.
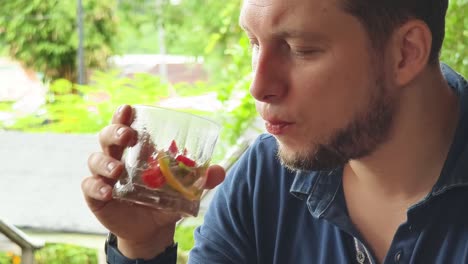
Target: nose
{"type": "Point", "coordinates": [270, 74]}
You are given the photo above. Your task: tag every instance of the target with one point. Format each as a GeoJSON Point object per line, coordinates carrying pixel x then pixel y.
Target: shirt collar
{"type": "Point", "coordinates": [320, 187]}
{"type": "Point", "coordinates": [303, 183]}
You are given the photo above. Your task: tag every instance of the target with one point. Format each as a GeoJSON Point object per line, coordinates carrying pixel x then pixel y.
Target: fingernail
{"type": "Point", "coordinates": [110, 166]}
{"type": "Point", "coordinates": [120, 131]}
{"type": "Point", "coordinates": [104, 190]}
{"type": "Point", "coordinates": [120, 109]}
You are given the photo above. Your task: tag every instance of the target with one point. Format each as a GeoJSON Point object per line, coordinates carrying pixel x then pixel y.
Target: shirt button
{"type": "Point", "coordinates": [410, 228]}
{"type": "Point", "coordinates": [361, 257]}
{"type": "Point", "coordinates": [398, 256]}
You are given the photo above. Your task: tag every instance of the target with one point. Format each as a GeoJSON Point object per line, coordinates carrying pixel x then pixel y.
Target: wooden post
{"type": "Point", "coordinates": [27, 245]}
{"type": "Point", "coordinates": [27, 256]}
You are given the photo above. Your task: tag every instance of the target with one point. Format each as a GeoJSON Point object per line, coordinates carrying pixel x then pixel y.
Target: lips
{"type": "Point", "coordinates": [277, 127]}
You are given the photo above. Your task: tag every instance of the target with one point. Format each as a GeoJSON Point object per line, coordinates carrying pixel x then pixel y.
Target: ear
{"type": "Point", "coordinates": [411, 48]}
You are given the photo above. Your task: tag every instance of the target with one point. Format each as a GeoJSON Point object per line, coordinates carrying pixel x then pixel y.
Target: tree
{"type": "Point", "coordinates": [42, 34]}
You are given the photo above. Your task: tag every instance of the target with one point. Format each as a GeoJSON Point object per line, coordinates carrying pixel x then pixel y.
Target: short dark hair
{"type": "Point", "coordinates": [382, 17]}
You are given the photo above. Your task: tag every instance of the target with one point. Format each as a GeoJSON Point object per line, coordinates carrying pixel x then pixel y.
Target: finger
{"type": "Point", "coordinates": [215, 176]}
{"type": "Point", "coordinates": [114, 138]}
{"type": "Point", "coordinates": [103, 165]}
{"type": "Point", "coordinates": [96, 191]}
{"type": "Point", "coordinates": [123, 115]}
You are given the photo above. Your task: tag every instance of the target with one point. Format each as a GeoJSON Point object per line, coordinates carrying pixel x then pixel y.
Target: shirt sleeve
{"type": "Point", "coordinates": [226, 236]}
{"type": "Point", "coordinates": [113, 256]}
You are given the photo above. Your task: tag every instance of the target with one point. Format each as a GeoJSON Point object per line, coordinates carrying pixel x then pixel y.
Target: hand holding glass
{"type": "Point", "coordinates": [166, 169]}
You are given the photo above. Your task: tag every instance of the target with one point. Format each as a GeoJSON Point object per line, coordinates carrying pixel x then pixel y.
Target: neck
{"type": "Point", "coordinates": [410, 162]}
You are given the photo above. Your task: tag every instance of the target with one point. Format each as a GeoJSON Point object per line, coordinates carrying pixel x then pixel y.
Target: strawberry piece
{"type": "Point", "coordinates": [152, 161]}
{"type": "Point", "coordinates": [173, 148]}
{"type": "Point", "coordinates": [153, 177]}
{"type": "Point", "coordinates": [186, 161]}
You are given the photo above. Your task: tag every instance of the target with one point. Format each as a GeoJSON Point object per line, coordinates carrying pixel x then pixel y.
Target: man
{"type": "Point", "coordinates": [366, 161]}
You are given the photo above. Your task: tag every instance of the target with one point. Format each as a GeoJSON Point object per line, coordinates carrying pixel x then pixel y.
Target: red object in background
{"type": "Point", "coordinates": [186, 161]}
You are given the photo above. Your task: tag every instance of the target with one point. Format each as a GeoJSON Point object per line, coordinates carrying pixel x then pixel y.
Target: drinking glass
{"type": "Point", "coordinates": [166, 169]}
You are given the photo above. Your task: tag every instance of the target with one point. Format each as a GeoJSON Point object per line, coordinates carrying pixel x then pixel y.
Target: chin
{"type": "Point", "coordinates": [292, 155]}
{"type": "Point", "coordinates": [310, 157]}
{"type": "Point", "coordinates": [291, 143]}
{"type": "Point", "coordinates": [289, 148]}
{"type": "Point", "coordinates": [285, 152]}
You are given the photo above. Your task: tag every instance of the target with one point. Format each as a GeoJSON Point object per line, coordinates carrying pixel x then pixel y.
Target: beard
{"type": "Point", "coordinates": [360, 138]}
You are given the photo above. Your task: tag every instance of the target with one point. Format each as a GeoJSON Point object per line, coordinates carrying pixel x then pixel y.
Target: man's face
{"type": "Point", "coordinates": [318, 84]}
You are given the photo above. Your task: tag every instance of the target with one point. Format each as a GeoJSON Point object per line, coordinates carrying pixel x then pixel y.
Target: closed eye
{"type": "Point", "coordinates": [305, 52]}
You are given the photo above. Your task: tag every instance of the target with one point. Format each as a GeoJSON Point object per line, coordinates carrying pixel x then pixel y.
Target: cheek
{"type": "Point", "coordinates": [328, 96]}
{"type": "Point", "coordinates": [312, 82]}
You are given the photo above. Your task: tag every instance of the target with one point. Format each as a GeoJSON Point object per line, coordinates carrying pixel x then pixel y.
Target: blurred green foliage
{"type": "Point", "coordinates": [65, 253]}
{"type": "Point", "coordinates": [9, 258]}
{"type": "Point", "coordinates": [455, 49]}
{"type": "Point", "coordinates": [56, 253]}
{"type": "Point", "coordinates": [192, 27]}
{"type": "Point", "coordinates": [43, 34]}
{"type": "Point", "coordinates": [3, 49]}
{"type": "Point", "coordinates": [73, 108]}
{"type": "Point", "coordinates": [6, 106]}
{"type": "Point", "coordinates": [184, 237]}
{"type": "Point", "coordinates": [205, 28]}
{"type": "Point", "coordinates": [59, 253]}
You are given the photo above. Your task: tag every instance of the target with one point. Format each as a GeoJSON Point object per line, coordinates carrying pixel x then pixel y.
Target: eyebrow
{"type": "Point", "coordinates": [291, 34]}
{"type": "Point", "coordinates": [300, 34]}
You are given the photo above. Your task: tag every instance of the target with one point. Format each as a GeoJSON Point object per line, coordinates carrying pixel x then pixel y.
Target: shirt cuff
{"type": "Point", "coordinates": [169, 256]}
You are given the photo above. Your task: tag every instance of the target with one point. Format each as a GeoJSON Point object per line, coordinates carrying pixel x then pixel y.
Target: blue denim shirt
{"type": "Point", "coordinates": [264, 213]}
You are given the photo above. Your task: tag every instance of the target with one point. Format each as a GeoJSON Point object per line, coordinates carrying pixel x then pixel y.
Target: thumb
{"type": "Point", "coordinates": [215, 176]}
